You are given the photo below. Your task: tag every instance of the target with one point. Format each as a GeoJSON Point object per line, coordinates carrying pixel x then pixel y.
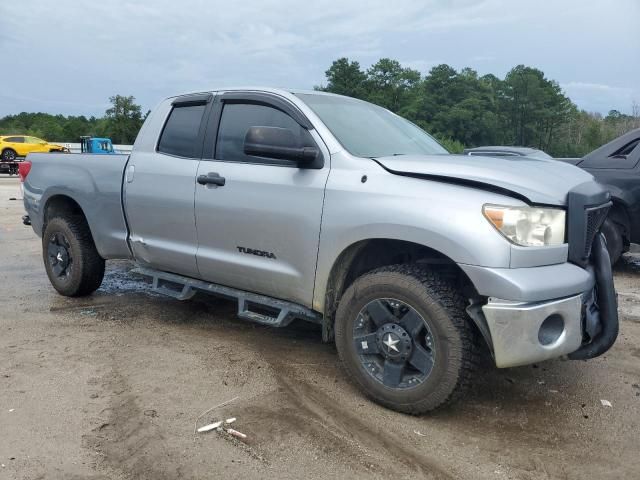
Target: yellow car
{"type": "Point", "coordinates": [12, 146]}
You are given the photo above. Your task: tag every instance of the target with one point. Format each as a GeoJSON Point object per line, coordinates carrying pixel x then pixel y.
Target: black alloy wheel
{"type": "Point", "coordinates": [394, 343]}
{"type": "Point", "coordinates": [59, 255]}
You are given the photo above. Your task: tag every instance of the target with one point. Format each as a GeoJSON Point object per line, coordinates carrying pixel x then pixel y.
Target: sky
{"type": "Point", "coordinates": [68, 57]}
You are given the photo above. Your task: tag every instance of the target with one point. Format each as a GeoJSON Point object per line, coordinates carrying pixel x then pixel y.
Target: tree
{"type": "Point", "coordinates": [533, 106]}
{"type": "Point", "coordinates": [459, 106]}
{"type": "Point", "coordinates": [390, 85]}
{"type": "Point", "coordinates": [124, 119]}
{"type": "Point", "coordinates": [345, 78]}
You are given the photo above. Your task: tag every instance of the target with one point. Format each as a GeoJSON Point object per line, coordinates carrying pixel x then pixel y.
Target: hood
{"type": "Point", "coordinates": [536, 181]}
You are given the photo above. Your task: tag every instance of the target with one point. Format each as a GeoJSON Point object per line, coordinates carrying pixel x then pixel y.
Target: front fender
{"type": "Point", "coordinates": [446, 218]}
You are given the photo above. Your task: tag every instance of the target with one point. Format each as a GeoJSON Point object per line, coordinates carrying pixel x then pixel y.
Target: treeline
{"type": "Point", "coordinates": [460, 108]}
{"type": "Point", "coordinates": [463, 109]}
{"type": "Point", "coordinates": [120, 122]}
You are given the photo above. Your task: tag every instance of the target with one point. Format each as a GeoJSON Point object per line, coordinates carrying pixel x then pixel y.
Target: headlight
{"type": "Point", "coordinates": [528, 226]}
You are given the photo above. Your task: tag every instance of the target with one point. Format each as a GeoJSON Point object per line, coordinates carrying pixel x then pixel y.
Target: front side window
{"type": "Point", "coordinates": [33, 140]}
{"type": "Point", "coordinates": [236, 120]}
{"type": "Point", "coordinates": [180, 134]}
{"type": "Point", "coordinates": [367, 130]}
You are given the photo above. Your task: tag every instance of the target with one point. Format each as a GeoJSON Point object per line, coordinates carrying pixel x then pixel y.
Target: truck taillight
{"type": "Point", "coordinates": [23, 170]}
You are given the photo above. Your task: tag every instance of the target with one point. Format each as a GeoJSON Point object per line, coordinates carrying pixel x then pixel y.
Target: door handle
{"type": "Point", "coordinates": [211, 178]}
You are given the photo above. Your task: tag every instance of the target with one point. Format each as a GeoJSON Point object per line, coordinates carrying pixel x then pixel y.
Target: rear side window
{"type": "Point", "coordinates": [14, 139]}
{"type": "Point", "coordinates": [180, 134]}
{"type": "Point", "coordinates": [237, 118]}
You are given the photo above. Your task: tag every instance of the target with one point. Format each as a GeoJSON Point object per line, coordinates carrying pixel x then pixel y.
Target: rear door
{"type": "Point", "coordinates": [160, 189]}
{"type": "Point", "coordinates": [260, 230]}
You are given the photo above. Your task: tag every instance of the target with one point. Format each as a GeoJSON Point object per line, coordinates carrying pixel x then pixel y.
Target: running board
{"type": "Point", "coordinates": [256, 308]}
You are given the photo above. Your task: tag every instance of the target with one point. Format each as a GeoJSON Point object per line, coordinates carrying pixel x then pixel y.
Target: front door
{"type": "Point", "coordinates": [260, 230]}
{"type": "Point", "coordinates": [36, 145]}
{"type": "Point", "coordinates": [160, 189]}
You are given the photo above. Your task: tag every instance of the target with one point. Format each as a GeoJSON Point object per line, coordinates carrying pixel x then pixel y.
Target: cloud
{"type": "Point", "coordinates": [67, 55]}
{"type": "Point", "coordinates": [601, 97]}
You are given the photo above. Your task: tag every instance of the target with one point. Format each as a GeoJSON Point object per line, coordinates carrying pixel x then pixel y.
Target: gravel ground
{"type": "Point", "coordinates": [109, 386]}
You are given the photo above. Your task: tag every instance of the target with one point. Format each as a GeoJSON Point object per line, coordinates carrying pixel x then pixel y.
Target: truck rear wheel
{"type": "Point", "coordinates": [71, 260]}
{"type": "Point", "coordinates": [403, 336]}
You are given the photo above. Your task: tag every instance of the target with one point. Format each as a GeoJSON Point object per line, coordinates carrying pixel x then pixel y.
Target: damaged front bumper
{"type": "Point", "coordinates": [582, 324]}
{"type": "Point", "coordinates": [525, 333]}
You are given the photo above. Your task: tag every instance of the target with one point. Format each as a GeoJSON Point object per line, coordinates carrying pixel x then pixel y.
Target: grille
{"type": "Point", "coordinates": [587, 207]}
{"type": "Point", "coordinates": [595, 218]}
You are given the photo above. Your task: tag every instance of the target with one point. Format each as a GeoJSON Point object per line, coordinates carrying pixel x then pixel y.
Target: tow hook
{"type": "Point", "coordinates": [26, 220]}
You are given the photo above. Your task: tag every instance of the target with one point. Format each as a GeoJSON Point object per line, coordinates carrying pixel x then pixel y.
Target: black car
{"type": "Point", "coordinates": [615, 165]}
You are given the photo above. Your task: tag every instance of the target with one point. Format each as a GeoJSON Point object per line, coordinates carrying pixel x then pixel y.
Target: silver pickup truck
{"type": "Point", "coordinates": [306, 205]}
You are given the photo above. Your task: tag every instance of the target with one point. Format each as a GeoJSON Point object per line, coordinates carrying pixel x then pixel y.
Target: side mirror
{"type": "Point", "coordinates": [276, 142]}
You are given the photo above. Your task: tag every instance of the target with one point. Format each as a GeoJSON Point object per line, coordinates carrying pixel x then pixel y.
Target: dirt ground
{"type": "Point", "coordinates": [109, 386]}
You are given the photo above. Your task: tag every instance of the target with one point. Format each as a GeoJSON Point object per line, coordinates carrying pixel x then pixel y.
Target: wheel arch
{"type": "Point", "coordinates": [366, 255]}
{"type": "Point", "coordinates": [62, 205]}
{"type": "Point", "coordinates": [619, 213]}
{"type": "Point", "coordinates": [4, 149]}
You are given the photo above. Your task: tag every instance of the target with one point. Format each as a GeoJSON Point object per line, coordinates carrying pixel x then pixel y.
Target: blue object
{"type": "Point", "coordinates": [96, 145]}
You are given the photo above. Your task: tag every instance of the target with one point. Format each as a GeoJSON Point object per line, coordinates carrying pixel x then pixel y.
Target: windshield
{"type": "Point", "coordinates": [366, 130]}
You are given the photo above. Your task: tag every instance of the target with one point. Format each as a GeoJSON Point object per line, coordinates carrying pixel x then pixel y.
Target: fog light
{"type": "Point", "coordinates": [551, 329]}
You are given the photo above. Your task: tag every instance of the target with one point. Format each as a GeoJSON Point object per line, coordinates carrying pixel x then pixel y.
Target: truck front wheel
{"type": "Point", "coordinates": [73, 264]}
{"type": "Point", "coordinates": [403, 336]}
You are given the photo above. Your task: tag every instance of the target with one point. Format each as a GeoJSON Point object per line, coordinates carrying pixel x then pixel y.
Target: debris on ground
{"type": "Point", "coordinates": [210, 427]}
{"type": "Point", "coordinates": [222, 426]}
{"type": "Point", "coordinates": [419, 433]}
{"type": "Point", "coordinates": [195, 426]}
{"type": "Point", "coordinates": [235, 433]}
{"type": "Point", "coordinates": [606, 403]}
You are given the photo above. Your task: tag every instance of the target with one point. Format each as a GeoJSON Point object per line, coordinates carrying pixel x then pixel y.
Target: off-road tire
{"type": "Point", "coordinates": [612, 232]}
{"type": "Point", "coordinates": [87, 270]}
{"type": "Point", "coordinates": [441, 305]}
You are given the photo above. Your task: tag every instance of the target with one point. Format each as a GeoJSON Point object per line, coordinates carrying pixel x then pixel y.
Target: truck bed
{"type": "Point", "coordinates": [92, 181]}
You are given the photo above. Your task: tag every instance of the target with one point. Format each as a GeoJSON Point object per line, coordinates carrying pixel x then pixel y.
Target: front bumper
{"type": "Point", "coordinates": [523, 333]}
{"type": "Point", "coordinates": [534, 324]}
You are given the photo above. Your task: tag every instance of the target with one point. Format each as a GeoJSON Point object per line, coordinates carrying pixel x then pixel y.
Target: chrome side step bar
{"type": "Point", "coordinates": [253, 307]}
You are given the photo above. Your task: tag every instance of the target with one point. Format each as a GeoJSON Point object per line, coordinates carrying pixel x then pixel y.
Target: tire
{"type": "Point", "coordinates": [9, 155]}
{"type": "Point", "coordinates": [613, 234]}
{"type": "Point", "coordinates": [447, 337]}
{"type": "Point", "coordinates": [73, 265]}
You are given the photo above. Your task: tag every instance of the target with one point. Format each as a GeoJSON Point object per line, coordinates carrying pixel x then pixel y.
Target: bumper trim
{"type": "Point", "coordinates": [534, 284]}
{"type": "Point", "coordinates": [515, 329]}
